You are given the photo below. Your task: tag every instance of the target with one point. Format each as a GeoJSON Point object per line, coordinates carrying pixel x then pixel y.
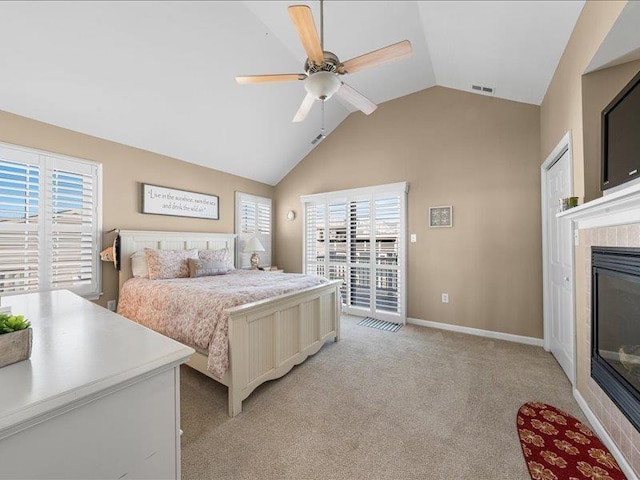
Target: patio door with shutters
{"type": "Point", "coordinates": [358, 236]}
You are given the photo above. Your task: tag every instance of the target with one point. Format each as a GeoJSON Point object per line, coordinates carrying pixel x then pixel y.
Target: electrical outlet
{"type": "Point", "coordinates": [414, 238]}
{"type": "Point", "coordinates": [111, 305]}
{"type": "Point", "coordinates": [445, 298]}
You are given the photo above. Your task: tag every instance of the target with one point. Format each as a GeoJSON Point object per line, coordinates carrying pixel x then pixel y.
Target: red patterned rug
{"type": "Point", "coordinates": [557, 446]}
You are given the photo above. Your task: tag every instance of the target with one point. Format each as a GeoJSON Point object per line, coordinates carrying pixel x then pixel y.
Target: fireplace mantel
{"type": "Point", "coordinates": [618, 208]}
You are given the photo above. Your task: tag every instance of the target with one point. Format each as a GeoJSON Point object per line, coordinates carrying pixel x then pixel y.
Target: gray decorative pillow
{"type": "Point", "coordinates": [206, 268]}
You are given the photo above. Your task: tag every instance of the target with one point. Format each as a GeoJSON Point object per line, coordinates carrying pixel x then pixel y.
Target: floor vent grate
{"type": "Point", "coordinates": [380, 324]}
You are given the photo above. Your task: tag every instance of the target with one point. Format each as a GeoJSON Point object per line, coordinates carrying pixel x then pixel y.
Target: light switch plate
{"type": "Point", "coordinates": [414, 238]}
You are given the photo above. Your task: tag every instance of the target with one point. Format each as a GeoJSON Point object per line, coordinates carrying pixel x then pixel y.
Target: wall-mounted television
{"type": "Point", "coordinates": [621, 137]}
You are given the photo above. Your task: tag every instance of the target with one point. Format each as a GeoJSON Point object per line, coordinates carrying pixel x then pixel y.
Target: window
{"type": "Point", "coordinates": [358, 236]}
{"type": "Point", "coordinates": [49, 222]}
{"type": "Point", "coordinates": [253, 218]}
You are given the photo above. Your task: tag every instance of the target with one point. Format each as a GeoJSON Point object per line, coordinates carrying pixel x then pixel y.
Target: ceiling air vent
{"type": "Point", "coordinates": [482, 89]}
{"type": "Point", "coordinates": [318, 138]}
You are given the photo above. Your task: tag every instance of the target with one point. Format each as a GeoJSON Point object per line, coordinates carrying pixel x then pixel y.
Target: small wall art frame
{"type": "Point", "coordinates": [157, 200]}
{"type": "Point", "coordinates": [441, 216]}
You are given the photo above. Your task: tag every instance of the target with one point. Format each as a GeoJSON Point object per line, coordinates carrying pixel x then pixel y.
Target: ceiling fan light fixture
{"type": "Point", "coordinates": [322, 85]}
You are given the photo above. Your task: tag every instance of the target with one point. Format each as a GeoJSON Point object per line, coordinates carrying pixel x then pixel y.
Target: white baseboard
{"type": "Point", "coordinates": [604, 436]}
{"type": "Point", "coordinates": [477, 331]}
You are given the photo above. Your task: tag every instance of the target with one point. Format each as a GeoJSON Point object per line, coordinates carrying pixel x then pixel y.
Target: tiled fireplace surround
{"type": "Point", "coordinates": [612, 221]}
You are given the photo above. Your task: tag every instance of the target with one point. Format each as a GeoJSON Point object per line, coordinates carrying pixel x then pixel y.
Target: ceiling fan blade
{"type": "Point", "coordinates": [302, 19]}
{"type": "Point", "coordinates": [305, 108]}
{"type": "Point", "coordinates": [355, 98]}
{"type": "Point", "coordinates": [397, 51]}
{"type": "Point", "coordinates": [283, 77]}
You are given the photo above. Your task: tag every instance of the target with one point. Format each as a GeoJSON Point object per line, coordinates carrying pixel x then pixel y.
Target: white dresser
{"type": "Point", "coordinates": [99, 398]}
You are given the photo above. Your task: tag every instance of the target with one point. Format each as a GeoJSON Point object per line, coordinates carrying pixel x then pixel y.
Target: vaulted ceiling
{"type": "Point", "coordinates": [160, 75]}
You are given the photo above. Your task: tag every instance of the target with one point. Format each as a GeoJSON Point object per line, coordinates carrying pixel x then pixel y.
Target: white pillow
{"type": "Point", "coordinates": [139, 265]}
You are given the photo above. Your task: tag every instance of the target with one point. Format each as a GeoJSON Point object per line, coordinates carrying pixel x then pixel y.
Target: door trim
{"type": "Point", "coordinates": [565, 145]}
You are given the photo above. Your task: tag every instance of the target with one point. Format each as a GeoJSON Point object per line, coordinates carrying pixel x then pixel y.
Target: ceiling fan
{"type": "Point", "coordinates": [323, 69]}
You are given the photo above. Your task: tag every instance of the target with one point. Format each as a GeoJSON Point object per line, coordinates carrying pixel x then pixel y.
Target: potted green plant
{"type": "Point", "coordinates": [16, 338]}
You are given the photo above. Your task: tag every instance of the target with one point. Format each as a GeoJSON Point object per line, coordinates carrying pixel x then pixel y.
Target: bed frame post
{"type": "Point", "coordinates": [237, 362]}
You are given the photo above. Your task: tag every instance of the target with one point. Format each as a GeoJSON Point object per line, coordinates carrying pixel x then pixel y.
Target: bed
{"type": "Point", "coordinates": [266, 338]}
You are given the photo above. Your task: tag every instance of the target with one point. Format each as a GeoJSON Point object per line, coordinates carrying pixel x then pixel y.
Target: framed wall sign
{"type": "Point", "coordinates": [441, 216]}
{"type": "Point", "coordinates": [158, 200]}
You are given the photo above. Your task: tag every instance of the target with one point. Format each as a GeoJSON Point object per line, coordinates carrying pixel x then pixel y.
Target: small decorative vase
{"type": "Point", "coordinates": [15, 346]}
{"type": "Point", "coordinates": [255, 261]}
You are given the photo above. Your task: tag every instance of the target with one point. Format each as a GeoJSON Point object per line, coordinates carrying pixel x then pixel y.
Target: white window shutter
{"type": "Point", "coordinates": [71, 206]}
{"type": "Point", "coordinates": [313, 239]}
{"type": "Point", "coordinates": [49, 222]}
{"type": "Point", "coordinates": [387, 250]}
{"type": "Point", "coordinates": [360, 253]}
{"type": "Point", "coordinates": [19, 225]}
{"type": "Point", "coordinates": [253, 218]}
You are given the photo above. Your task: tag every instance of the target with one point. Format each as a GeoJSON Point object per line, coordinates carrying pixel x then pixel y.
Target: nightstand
{"type": "Point", "coordinates": [275, 270]}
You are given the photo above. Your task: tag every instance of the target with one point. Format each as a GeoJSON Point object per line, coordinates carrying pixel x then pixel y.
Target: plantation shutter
{"type": "Point", "coordinates": [314, 239]}
{"type": "Point", "coordinates": [19, 222]}
{"type": "Point", "coordinates": [253, 218]}
{"type": "Point", "coordinates": [71, 238]}
{"type": "Point", "coordinates": [360, 253]}
{"type": "Point", "coordinates": [49, 223]}
{"type": "Point", "coordinates": [358, 236]}
{"type": "Point", "coordinates": [388, 288]}
{"type": "Point", "coordinates": [338, 244]}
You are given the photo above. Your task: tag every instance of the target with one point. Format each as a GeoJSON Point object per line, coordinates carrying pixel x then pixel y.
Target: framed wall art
{"type": "Point", "coordinates": [441, 216]}
{"type": "Point", "coordinates": [157, 200]}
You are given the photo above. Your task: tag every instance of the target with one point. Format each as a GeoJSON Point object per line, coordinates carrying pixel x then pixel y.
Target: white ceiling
{"type": "Point", "coordinates": [160, 75]}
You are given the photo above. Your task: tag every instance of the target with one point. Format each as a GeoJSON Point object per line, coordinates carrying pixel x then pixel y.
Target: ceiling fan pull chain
{"type": "Point", "coordinates": [322, 129]}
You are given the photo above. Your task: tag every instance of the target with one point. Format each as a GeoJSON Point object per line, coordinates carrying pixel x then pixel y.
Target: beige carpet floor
{"type": "Point", "coordinates": [419, 403]}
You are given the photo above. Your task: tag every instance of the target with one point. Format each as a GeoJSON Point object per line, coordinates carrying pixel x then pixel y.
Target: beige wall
{"type": "Point", "coordinates": [561, 109]}
{"type": "Point", "coordinates": [123, 169]}
{"type": "Point", "coordinates": [598, 89]}
{"type": "Point", "coordinates": [477, 153]}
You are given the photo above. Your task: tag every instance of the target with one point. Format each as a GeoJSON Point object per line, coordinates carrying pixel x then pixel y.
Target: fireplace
{"type": "Point", "coordinates": [615, 327]}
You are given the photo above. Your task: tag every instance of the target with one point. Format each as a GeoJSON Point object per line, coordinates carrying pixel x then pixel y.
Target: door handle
{"type": "Point", "coordinates": [566, 279]}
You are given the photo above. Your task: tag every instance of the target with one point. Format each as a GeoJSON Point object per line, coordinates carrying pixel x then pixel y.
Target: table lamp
{"type": "Point", "coordinates": [253, 246]}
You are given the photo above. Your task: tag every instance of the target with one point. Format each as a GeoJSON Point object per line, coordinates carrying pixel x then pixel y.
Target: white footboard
{"type": "Point", "coordinates": [267, 338]}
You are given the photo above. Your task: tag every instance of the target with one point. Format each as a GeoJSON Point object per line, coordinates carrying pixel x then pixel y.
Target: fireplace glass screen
{"type": "Point", "coordinates": [619, 336]}
{"type": "Point", "coordinates": [615, 320]}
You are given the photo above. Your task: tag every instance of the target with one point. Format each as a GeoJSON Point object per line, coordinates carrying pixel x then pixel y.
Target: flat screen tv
{"type": "Point", "coordinates": [621, 137]}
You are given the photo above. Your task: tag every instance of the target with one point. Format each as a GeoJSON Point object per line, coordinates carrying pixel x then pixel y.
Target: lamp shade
{"type": "Point", "coordinates": [322, 85]}
{"type": "Point", "coordinates": [253, 245]}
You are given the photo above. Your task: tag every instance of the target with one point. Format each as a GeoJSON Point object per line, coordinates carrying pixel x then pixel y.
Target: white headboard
{"type": "Point", "coordinates": [133, 240]}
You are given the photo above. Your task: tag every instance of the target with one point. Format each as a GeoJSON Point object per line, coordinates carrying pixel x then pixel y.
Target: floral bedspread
{"type": "Point", "coordinates": [191, 310]}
